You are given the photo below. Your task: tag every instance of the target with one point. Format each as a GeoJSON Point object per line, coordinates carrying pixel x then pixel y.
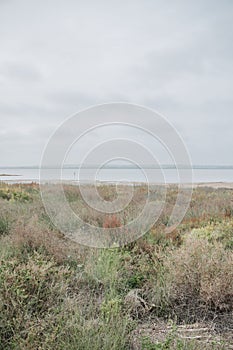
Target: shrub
{"type": "Point", "coordinates": [28, 291]}
{"type": "Point", "coordinates": [199, 275]}
{"type": "Point", "coordinates": [218, 232]}
{"type": "Point", "coordinates": [4, 226]}
{"type": "Point", "coordinates": [32, 236]}
{"type": "Point", "coordinates": [14, 194]}
{"type": "Point", "coordinates": [111, 221]}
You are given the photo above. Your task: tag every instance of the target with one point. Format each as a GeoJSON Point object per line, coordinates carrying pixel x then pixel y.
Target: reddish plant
{"type": "Point", "coordinates": [111, 221]}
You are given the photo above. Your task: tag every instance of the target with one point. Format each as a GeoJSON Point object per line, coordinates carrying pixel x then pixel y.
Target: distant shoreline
{"type": "Point", "coordinates": [214, 184]}
{"type": "Point", "coordinates": [10, 175]}
{"type": "Point", "coordinates": [123, 167]}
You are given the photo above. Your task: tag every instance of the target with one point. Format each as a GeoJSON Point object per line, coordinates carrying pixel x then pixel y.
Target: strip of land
{"type": "Point", "coordinates": [10, 175]}
{"type": "Point", "coordinates": [214, 185]}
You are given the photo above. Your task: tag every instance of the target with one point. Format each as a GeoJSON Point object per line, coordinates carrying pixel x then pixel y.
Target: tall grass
{"type": "Point", "coordinates": [55, 294]}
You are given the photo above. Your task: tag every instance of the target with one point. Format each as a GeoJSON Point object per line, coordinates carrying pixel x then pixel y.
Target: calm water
{"type": "Point", "coordinates": [126, 175]}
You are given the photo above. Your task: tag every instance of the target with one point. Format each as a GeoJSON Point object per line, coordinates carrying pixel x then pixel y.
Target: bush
{"type": "Point", "coordinates": [29, 291]}
{"type": "Point", "coordinates": [218, 232]}
{"type": "Point", "coordinates": [199, 275]}
{"type": "Point", "coordinates": [14, 194]}
{"type": "Point", "coordinates": [4, 226]}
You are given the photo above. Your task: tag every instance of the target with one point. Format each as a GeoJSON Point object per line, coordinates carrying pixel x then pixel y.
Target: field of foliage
{"type": "Point", "coordinates": [164, 291]}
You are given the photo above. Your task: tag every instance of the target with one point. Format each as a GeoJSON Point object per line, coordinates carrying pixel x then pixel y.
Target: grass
{"type": "Point", "coordinates": [4, 226]}
{"type": "Point", "coordinates": [149, 294]}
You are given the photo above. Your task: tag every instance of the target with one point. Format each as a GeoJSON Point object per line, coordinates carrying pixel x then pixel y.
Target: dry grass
{"type": "Point", "coordinates": [57, 294]}
{"type": "Point", "coordinates": [200, 274]}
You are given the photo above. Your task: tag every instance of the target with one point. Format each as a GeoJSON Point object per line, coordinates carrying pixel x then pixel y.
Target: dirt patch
{"type": "Point", "coordinates": [203, 335]}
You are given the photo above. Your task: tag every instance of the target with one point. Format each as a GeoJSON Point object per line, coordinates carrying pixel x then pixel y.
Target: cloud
{"type": "Point", "coordinates": [59, 57]}
{"type": "Point", "coordinates": [20, 71]}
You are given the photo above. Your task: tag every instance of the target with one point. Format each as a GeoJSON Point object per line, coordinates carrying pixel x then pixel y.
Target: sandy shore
{"type": "Point", "coordinates": [216, 185]}
{"type": "Point", "coordinates": [213, 184]}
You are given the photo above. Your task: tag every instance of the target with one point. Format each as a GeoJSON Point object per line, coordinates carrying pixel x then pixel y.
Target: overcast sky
{"type": "Point", "coordinates": [58, 57]}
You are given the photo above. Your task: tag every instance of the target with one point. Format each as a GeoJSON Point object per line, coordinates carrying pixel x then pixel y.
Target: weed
{"type": "Point", "coordinates": [4, 226]}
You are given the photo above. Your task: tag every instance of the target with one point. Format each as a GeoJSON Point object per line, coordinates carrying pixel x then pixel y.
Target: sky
{"type": "Point", "coordinates": [59, 57]}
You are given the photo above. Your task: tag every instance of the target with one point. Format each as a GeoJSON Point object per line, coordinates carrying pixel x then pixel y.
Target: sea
{"type": "Point", "coordinates": [167, 174]}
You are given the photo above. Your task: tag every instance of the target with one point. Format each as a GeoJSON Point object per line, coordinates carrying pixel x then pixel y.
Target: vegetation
{"type": "Point", "coordinates": [164, 291]}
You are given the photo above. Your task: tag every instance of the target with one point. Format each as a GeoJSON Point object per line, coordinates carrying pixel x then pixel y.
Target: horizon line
{"type": "Point", "coordinates": [123, 166]}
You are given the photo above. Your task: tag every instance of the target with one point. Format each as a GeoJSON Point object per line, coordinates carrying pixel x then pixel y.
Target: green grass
{"type": "Point", "coordinates": [4, 226]}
